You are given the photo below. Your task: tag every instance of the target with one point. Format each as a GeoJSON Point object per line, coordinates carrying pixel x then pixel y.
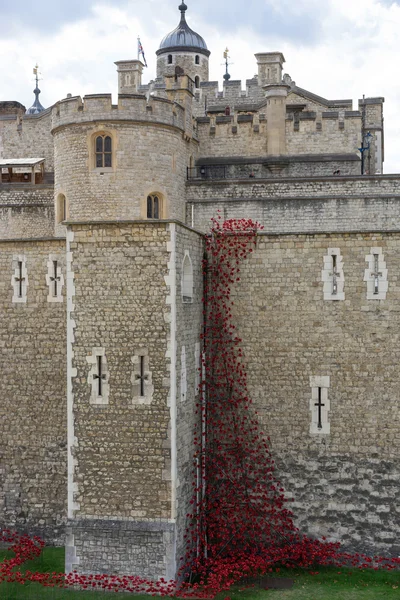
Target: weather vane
{"type": "Point", "coordinates": [36, 73]}
{"type": "Point", "coordinates": [227, 63]}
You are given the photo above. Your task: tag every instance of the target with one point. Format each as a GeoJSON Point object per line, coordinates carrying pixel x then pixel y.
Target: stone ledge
{"type": "Point", "coordinates": [115, 525]}
{"type": "Point", "coordinates": [340, 198]}
{"type": "Point", "coordinates": [295, 158]}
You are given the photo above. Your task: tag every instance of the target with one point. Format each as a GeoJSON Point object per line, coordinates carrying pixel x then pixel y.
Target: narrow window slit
{"type": "Point", "coordinates": [319, 404]}
{"type": "Point", "coordinates": [142, 376]}
{"type": "Point", "coordinates": [55, 279]}
{"type": "Point", "coordinates": [335, 274]}
{"type": "Point", "coordinates": [20, 279]}
{"type": "Point", "coordinates": [377, 274]}
{"type": "Point", "coordinates": [100, 376]}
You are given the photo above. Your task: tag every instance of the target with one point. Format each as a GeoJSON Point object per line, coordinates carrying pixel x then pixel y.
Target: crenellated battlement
{"type": "Point", "coordinates": [130, 107]}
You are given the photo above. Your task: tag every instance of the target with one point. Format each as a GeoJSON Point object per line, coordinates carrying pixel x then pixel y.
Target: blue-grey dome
{"type": "Point", "coordinates": [36, 107]}
{"type": "Point", "coordinates": [183, 38]}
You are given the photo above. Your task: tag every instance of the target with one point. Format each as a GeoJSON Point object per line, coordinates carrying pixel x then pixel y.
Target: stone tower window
{"type": "Point", "coordinates": [197, 81]}
{"type": "Point", "coordinates": [187, 279]}
{"type": "Point", "coordinates": [142, 384]}
{"type": "Point", "coordinates": [376, 275]}
{"type": "Point", "coordinates": [319, 404]}
{"type": "Point", "coordinates": [54, 279]}
{"type": "Point", "coordinates": [170, 59]}
{"type": "Point", "coordinates": [103, 150]}
{"type": "Point", "coordinates": [61, 208]}
{"type": "Point", "coordinates": [154, 206]}
{"type": "Point", "coordinates": [333, 276]}
{"type": "Point", "coordinates": [197, 59]}
{"type": "Point", "coordinates": [19, 279]}
{"type": "Point", "coordinates": [98, 376]}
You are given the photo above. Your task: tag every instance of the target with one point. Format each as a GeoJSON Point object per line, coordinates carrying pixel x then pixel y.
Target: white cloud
{"type": "Point", "coordinates": [355, 52]}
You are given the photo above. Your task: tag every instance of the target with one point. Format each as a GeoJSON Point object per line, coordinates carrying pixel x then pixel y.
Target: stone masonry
{"type": "Point", "coordinates": [101, 305]}
{"type": "Point", "coordinates": [345, 484]}
{"type": "Point", "coordinates": [33, 419]}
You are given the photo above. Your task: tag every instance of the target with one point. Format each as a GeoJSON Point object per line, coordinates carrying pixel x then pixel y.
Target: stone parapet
{"type": "Point", "coordinates": [300, 205]}
{"type": "Point", "coordinates": [131, 107]}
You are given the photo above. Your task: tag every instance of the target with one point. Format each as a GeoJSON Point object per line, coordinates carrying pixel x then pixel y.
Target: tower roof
{"type": "Point", "coordinates": [36, 107]}
{"type": "Point", "coordinates": [183, 38]}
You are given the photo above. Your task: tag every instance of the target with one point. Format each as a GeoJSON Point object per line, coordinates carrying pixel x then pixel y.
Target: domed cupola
{"type": "Point", "coordinates": [36, 107]}
{"type": "Point", "coordinates": [183, 48]}
{"type": "Point", "coordinates": [183, 38]}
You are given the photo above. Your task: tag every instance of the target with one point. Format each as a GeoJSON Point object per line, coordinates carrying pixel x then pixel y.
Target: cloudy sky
{"type": "Point", "coordinates": [334, 48]}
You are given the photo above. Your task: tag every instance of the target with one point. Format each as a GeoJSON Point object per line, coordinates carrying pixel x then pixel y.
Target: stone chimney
{"type": "Point", "coordinates": [270, 66]}
{"type": "Point", "coordinates": [129, 76]}
{"type": "Point", "coordinates": [276, 118]}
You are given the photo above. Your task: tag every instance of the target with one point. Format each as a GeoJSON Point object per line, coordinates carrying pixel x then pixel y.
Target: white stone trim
{"type": "Point", "coordinates": [16, 284]}
{"type": "Point", "coordinates": [369, 275]}
{"type": "Point", "coordinates": [93, 381]}
{"type": "Point", "coordinates": [137, 398]}
{"type": "Point", "coordinates": [322, 382]}
{"type": "Point", "coordinates": [378, 153]}
{"type": "Point", "coordinates": [328, 275]}
{"type": "Point", "coordinates": [51, 297]}
{"type": "Point", "coordinates": [197, 367]}
{"type": "Point", "coordinates": [187, 279]}
{"type": "Point", "coordinates": [170, 281]}
{"type": "Point", "coordinates": [72, 486]}
{"type": "Point", "coordinates": [183, 375]}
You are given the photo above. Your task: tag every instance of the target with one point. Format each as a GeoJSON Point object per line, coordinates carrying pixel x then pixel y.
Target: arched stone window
{"type": "Point", "coordinates": [197, 59]}
{"type": "Point", "coordinates": [197, 81]}
{"type": "Point", "coordinates": [187, 279]}
{"type": "Point", "coordinates": [103, 151]}
{"type": "Point", "coordinates": [61, 208]}
{"type": "Point", "coordinates": [170, 59]}
{"type": "Point", "coordinates": [154, 206]}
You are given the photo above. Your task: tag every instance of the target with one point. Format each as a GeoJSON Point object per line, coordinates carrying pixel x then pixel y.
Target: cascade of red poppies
{"type": "Point", "coordinates": [240, 505]}
{"type": "Point", "coordinates": [240, 524]}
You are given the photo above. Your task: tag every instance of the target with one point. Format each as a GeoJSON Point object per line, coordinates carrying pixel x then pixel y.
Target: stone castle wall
{"type": "Point", "coordinates": [33, 416]}
{"type": "Point", "coordinates": [120, 474]}
{"type": "Point", "coordinates": [329, 131]}
{"type": "Point", "coordinates": [231, 136]}
{"type": "Point", "coordinates": [188, 332]}
{"type": "Point", "coordinates": [28, 137]}
{"type": "Point", "coordinates": [26, 211]}
{"type": "Point", "coordinates": [320, 204]}
{"type": "Point", "coordinates": [345, 484]}
{"type": "Point", "coordinates": [246, 134]}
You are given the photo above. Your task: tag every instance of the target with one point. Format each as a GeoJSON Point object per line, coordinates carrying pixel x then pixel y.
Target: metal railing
{"type": "Point", "coordinates": [207, 172]}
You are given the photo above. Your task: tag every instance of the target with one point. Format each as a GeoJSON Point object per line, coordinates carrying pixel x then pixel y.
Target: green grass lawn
{"type": "Point", "coordinates": [329, 584]}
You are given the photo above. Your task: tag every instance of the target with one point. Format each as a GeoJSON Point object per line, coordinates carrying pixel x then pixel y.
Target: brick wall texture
{"type": "Point", "coordinates": [33, 417]}
{"type": "Point", "coordinates": [26, 211]}
{"type": "Point", "coordinates": [322, 204]}
{"type": "Point", "coordinates": [344, 484]}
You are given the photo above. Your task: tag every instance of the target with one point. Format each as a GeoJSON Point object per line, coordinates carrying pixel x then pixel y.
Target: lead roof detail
{"type": "Point", "coordinates": [183, 38]}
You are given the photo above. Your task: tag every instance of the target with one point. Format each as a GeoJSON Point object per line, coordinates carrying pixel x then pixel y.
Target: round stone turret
{"type": "Point", "coordinates": [183, 51]}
